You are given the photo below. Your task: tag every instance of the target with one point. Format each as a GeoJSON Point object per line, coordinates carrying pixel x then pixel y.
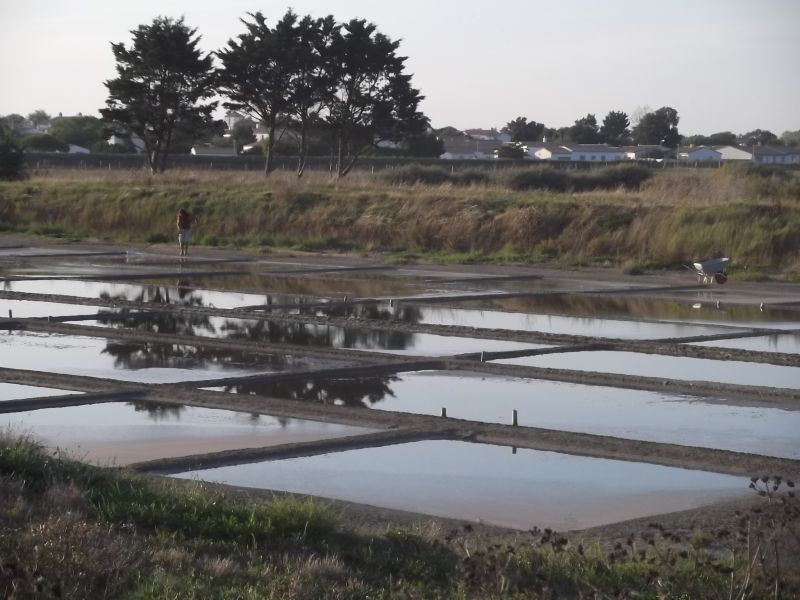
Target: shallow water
{"type": "Point", "coordinates": [488, 483]}
{"type": "Point", "coordinates": [308, 334]}
{"type": "Point", "coordinates": [129, 361]}
{"type": "Point", "coordinates": [588, 326]}
{"type": "Point", "coordinates": [616, 412]}
{"type": "Point", "coordinates": [672, 367]}
{"type": "Point", "coordinates": [788, 343]}
{"type": "Point", "coordinates": [23, 309]}
{"type": "Point", "coordinates": [180, 293]}
{"type": "Point", "coordinates": [15, 391]}
{"type": "Point", "coordinates": [122, 433]}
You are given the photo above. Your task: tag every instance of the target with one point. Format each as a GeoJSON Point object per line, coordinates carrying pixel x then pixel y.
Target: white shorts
{"type": "Point", "coordinates": [184, 236]}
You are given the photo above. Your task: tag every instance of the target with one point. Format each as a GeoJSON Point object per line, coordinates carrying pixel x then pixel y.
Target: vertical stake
{"type": "Point", "coordinates": [483, 356]}
{"type": "Point", "coordinates": [9, 314]}
{"type": "Point", "coordinates": [514, 417]}
{"type": "Point", "coordinates": [444, 411]}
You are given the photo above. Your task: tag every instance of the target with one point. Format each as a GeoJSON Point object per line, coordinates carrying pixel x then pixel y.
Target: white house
{"type": "Point", "coordinates": [488, 135]}
{"type": "Point", "coordinates": [645, 152]}
{"type": "Point", "coordinates": [464, 148]}
{"type": "Point", "coordinates": [548, 151]}
{"type": "Point", "coordinates": [735, 152]}
{"type": "Point", "coordinates": [700, 154]}
{"type": "Point", "coordinates": [213, 151]}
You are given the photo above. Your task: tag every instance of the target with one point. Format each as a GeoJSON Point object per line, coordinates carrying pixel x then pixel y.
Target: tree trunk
{"type": "Point", "coordinates": [268, 166]}
{"type": "Point", "coordinates": [302, 150]}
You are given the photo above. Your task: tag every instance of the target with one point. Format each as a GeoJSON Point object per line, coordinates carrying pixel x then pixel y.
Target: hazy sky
{"type": "Point", "coordinates": [723, 64]}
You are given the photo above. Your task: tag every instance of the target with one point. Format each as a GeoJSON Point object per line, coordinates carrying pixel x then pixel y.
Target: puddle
{"type": "Point", "coordinates": [667, 367]}
{"type": "Point", "coordinates": [488, 483]}
{"type": "Point", "coordinates": [23, 309]}
{"type": "Point", "coordinates": [787, 343]}
{"type": "Point", "coordinates": [126, 432]}
{"type": "Point", "coordinates": [307, 334]}
{"type": "Point", "coordinates": [588, 326]}
{"type": "Point", "coordinates": [15, 391]}
{"type": "Point", "coordinates": [131, 361]}
{"type": "Point", "coordinates": [616, 412]}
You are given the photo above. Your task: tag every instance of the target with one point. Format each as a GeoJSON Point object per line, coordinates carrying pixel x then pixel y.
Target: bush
{"type": "Point", "coordinates": [44, 142]}
{"type": "Point", "coordinates": [412, 174]}
{"type": "Point", "coordinates": [12, 159]}
{"type": "Point", "coordinates": [540, 178]}
{"type": "Point", "coordinates": [629, 177]}
{"type": "Point", "coordinates": [470, 177]}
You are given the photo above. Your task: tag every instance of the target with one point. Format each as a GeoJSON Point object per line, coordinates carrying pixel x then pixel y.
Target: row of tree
{"type": "Point", "coordinates": [659, 127]}
{"type": "Point", "coordinates": [343, 81]}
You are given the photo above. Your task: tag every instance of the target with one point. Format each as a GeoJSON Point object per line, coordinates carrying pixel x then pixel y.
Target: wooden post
{"type": "Point", "coordinates": [444, 412]}
{"type": "Point", "coordinates": [514, 417]}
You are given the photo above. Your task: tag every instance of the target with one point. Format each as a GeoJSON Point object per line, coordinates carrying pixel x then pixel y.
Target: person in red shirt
{"type": "Point", "coordinates": [184, 222]}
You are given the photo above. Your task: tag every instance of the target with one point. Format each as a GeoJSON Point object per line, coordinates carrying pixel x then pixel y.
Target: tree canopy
{"type": "Point", "coordinates": [81, 131]}
{"type": "Point", "coordinates": [658, 127]}
{"type": "Point", "coordinates": [12, 159]}
{"type": "Point", "coordinates": [585, 130]}
{"type": "Point", "coordinates": [163, 86]}
{"type": "Point", "coordinates": [522, 130]}
{"type": "Point", "coordinates": [614, 130]}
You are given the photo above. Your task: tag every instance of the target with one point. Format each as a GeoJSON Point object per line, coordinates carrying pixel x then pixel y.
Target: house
{"type": "Point", "coordinates": [770, 155]}
{"type": "Point", "coordinates": [776, 155]}
{"type": "Point", "coordinates": [488, 135]}
{"type": "Point", "coordinates": [213, 151]}
{"type": "Point", "coordinates": [645, 152]}
{"type": "Point", "coordinates": [735, 152]}
{"type": "Point", "coordinates": [595, 152]}
{"type": "Point", "coordinates": [699, 154]}
{"type": "Point", "coordinates": [73, 149]}
{"type": "Point", "coordinates": [463, 148]}
{"type": "Point", "coordinates": [548, 151]}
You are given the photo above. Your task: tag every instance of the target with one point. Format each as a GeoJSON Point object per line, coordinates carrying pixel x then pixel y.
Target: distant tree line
{"type": "Point", "coordinates": [659, 127]}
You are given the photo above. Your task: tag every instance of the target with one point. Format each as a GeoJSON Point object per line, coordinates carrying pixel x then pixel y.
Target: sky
{"type": "Point", "coordinates": [724, 65]}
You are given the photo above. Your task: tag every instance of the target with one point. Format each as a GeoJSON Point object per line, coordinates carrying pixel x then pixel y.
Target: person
{"type": "Point", "coordinates": [184, 223]}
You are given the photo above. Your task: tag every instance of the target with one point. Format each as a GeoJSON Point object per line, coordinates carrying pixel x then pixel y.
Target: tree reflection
{"type": "Point", "coordinates": [148, 355]}
{"type": "Point", "coordinates": [158, 411]}
{"type": "Point", "coordinates": [358, 392]}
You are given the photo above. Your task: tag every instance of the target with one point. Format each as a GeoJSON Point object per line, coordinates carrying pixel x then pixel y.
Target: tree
{"type": "Point", "coordinates": [13, 122]}
{"type": "Point", "coordinates": [759, 137]}
{"type": "Point", "coordinates": [81, 131]}
{"type": "Point", "coordinates": [163, 86]}
{"type": "Point", "coordinates": [521, 130]}
{"type": "Point", "coordinates": [614, 130]}
{"type": "Point", "coordinates": [658, 127]}
{"type": "Point", "coordinates": [12, 159]}
{"type": "Point", "coordinates": [257, 72]}
{"type": "Point", "coordinates": [721, 138]}
{"type": "Point", "coordinates": [372, 99]}
{"type": "Point", "coordinates": [585, 130]}
{"type": "Point", "coordinates": [791, 138]}
{"type": "Point", "coordinates": [514, 151]}
{"type": "Point", "coordinates": [39, 118]}
{"type": "Point", "coordinates": [44, 142]}
{"type": "Point", "coordinates": [423, 145]}
{"type": "Point", "coordinates": [312, 82]}
{"type": "Point", "coordinates": [448, 131]}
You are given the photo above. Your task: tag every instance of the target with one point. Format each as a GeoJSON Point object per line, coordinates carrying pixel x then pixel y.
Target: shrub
{"type": "Point", "coordinates": [539, 178]}
{"type": "Point", "coordinates": [412, 174]}
{"type": "Point", "coordinates": [12, 159]}
{"type": "Point", "coordinates": [470, 177]}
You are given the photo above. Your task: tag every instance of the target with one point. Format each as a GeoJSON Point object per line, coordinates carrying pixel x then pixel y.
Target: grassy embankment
{"type": "Point", "coordinates": [75, 531]}
{"type": "Point", "coordinates": [631, 218]}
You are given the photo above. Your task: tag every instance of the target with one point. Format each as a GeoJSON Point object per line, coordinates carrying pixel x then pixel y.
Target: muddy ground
{"type": "Point", "coordinates": [394, 427]}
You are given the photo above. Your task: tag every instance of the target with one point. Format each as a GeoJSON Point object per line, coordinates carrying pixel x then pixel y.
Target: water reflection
{"type": "Point", "coordinates": [358, 392]}
{"type": "Point", "coordinates": [158, 411]}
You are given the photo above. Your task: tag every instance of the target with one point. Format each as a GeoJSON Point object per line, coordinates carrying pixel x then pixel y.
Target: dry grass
{"type": "Point", "coordinates": [677, 215]}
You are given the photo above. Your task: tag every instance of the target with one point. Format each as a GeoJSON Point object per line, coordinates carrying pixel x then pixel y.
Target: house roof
{"type": "Point", "coordinates": [593, 148]}
{"type": "Point", "coordinates": [461, 145]}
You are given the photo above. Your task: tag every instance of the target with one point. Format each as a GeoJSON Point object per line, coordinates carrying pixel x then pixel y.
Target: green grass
{"type": "Point", "coordinates": [73, 530]}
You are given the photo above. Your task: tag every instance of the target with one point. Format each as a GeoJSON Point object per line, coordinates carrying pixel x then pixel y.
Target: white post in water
{"type": "Point", "coordinates": [483, 357]}
{"type": "Point", "coordinates": [514, 417]}
{"type": "Point", "coordinates": [444, 412]}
